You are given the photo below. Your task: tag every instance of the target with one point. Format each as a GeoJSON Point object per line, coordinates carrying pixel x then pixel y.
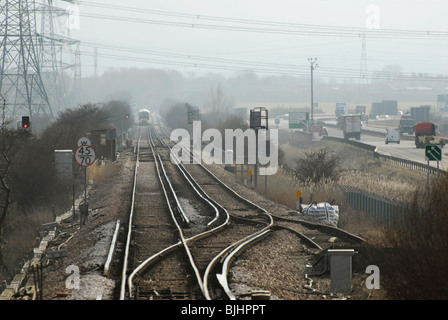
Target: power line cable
{"type": "Point", "coordinates": [258, 26]}
{"type": "Point", "coordinates": [327, 30]}
{"type": "Point", "coordinates": [274, 69]}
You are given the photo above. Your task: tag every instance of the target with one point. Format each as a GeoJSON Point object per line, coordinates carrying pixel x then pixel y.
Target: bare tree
{"type": "Point", "coordinates": [9, 140]}
{"type": "Point", "coordinates": [217, 101]}
{"type": "Point", "coordinates": [318, 165]}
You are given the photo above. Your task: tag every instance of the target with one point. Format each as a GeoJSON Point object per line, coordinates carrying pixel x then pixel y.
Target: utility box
{"type": "Point", "coordinates": [63, 160]}
{"type": "Point", "coordinates": [341, 269]}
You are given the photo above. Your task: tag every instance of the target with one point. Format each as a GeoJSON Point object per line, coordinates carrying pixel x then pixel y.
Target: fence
{"type": "Point", "coordinates": [383, 209]}
{"type": "Point", "coordinates": [354, 143]}
{"type": "Point", "coordinates": [414, 165]}
{"type": "Point", "coordinates": [408, 163]}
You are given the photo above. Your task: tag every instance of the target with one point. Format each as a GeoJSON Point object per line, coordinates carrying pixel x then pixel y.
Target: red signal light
{"type": "Point", "coordinates": [25, 122]}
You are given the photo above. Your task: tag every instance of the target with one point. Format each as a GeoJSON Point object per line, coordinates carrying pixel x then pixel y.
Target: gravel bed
{"type": "Point", "coordinates": [87, 250]}
{"type": "Point", "coordinates": [276, 264]}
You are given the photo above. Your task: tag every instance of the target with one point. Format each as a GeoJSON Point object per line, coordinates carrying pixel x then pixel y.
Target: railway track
{"type": "Point", "coordinates": [187, 227]}
{"type": "Point", "coordinates": [177, 265]}
{"type": "Point", "coordinates": [315, 236]}
{"type": "Point", "coordinates": [155, 233]}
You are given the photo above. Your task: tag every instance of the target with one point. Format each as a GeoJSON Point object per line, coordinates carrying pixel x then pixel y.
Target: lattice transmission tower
{"type": "Point", "coordinates": [62, 88]}
{"type": "Point", "coordinates": [363, 78]}
{"type": "Point", "coordinates": [33, 66]}
{"type": "Point", "coordinates": [20, 78]}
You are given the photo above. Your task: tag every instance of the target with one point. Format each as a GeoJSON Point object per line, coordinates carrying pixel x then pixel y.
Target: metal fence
{"type": "Point", "coordinates": [384, 210]}
{"type": "Point", "coordinates": [414, 165]}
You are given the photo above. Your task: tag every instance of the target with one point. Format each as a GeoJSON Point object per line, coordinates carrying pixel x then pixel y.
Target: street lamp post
{"type": "Point", "coordinates": [313, 66]}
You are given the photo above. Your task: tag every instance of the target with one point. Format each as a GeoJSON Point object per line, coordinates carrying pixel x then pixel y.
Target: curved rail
{"type": "Point", "coordinates": [225, 257]}
{"type": "Point", "coordinates": [183, 242]}
{"type": "Point", "coordinates": [234, 249]}
{"type": "Point", "coordinates": [131, 215]}
{"type": "Point", "coordinates": [181, 235]}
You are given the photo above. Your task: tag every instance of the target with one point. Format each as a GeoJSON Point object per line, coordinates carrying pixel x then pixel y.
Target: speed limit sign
{"type": "Point", "coordinates": [85, 155]}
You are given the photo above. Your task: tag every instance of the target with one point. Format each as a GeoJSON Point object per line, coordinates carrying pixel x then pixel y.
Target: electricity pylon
{"type": "Point", "coordinates": [20, 74]}
{"type": "Point", "coordinates": [61, 90]}
{"type": "Point", "coordinates": [363, 71]}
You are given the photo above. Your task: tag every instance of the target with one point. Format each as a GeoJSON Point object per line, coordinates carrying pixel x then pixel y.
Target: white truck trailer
{"type": "Point", "coordinates": [351, 126]}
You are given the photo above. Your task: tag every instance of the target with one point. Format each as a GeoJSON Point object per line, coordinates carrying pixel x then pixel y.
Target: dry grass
{"type": "Point", "coordinates": [99, 174]}
{"type": "Point", "coordinates": [380, 184]}
{"type": "Point", "coordinates": [21, 229]}
{"type": "Point", "coordinates": [21, 232]}
{"type": "Point", "coordinates": [359, 169]}
{"type": "Point", "coordinates": [282, 188]}
{"type": "Point", "coordinates": [413, 256]}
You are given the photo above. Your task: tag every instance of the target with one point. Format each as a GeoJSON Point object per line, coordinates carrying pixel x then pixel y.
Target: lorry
{"type": "Point", "coordinates": [420, 114]}
{"type": "Point", "coordinates": [351, 126]}
{"type": "Point", "coordinates": [406, 125]}
{"type": "Point", "coordinates": [392, 135]}
{"type": "Point", "coordinates": [362, 110]}
{"type": "Point", "coordinates": [341, 109]}
{"type": "Point", "coordinates": [425, 134]}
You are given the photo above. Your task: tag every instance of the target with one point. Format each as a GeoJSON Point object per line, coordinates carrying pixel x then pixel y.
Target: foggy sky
{"type": "Point", "coordinates": [158, 42]}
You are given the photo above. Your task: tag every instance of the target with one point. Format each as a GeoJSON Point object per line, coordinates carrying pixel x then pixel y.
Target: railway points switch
{"type": "Point", "coordinates": [341, 269]}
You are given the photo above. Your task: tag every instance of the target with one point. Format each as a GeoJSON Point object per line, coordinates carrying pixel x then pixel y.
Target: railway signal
{"type": "Point", "coordinates": [26, 122]}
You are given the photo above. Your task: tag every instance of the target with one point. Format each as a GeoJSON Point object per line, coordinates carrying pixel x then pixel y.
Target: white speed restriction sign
{"type": "Point", "coordinates": [85, 155]}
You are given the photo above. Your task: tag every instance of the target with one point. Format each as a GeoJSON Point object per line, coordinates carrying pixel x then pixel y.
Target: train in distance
{"type": "Point", "coordinates": [143, 117]}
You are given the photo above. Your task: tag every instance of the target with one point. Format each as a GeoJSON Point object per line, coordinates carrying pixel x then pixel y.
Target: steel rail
{"type": "Point", "coordinates": [238, 246]}
{"type": "Point", "coordinates": [324, 228]}
{"type": "Point", "coordinates": [196, 188]}
{"type": "Point", "coordinates": [148, 262]}
{"type": "Point", "coordinates": [235, 248]}
{"type": "Point", "coordinates": [181, 235]}
{"type": "Point", "coordinates": [183, 241]}
{"type": "Point", "coordinates": [131, 215]}
{"type": "Point", "coordinates": [179, 207]}
{"type": "Point", "coordinates": [222, 277]}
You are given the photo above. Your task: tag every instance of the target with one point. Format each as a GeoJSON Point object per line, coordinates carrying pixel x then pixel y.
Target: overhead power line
{"type": "Point", "coordinates": [260, 26]}
{"type": "Point", "coordinates": [193, 61]}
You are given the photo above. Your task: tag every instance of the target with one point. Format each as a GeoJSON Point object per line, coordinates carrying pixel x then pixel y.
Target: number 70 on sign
{"type": "Point", "coordinates": [85, 155]}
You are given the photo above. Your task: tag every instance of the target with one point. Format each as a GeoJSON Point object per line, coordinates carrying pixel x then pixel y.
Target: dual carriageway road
{"type": "Point", "coordinates": [405, 149]}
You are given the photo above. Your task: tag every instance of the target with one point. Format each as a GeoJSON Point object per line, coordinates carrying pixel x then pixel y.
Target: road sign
{"type": "Point", "coordinates": [433, 153]}
{"type": "Point", "coordinates": [84, 141]}
{"type": "Point", "coordinates": [298, 120]}
{"type": "Point", "coordinates": [85, 155]}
